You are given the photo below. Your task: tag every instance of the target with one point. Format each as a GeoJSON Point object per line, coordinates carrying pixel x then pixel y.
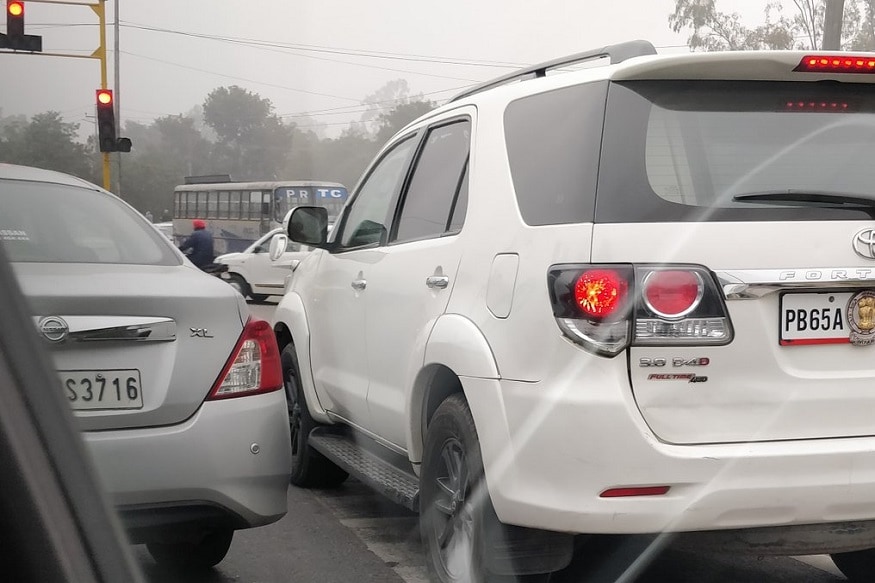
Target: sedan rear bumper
{"type": "Point", "coordinates": [231, 457]}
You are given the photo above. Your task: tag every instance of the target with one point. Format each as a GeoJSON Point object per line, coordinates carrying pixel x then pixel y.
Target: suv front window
{"type": "Point", "coordinates": [366, 220]}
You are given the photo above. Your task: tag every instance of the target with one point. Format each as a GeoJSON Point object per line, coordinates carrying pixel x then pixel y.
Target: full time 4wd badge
{"type": "Point", "coordinates": [861, 317]}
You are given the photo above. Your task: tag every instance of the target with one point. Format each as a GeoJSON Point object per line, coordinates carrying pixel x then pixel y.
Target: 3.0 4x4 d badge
{"type": "Point", "coordinates": [861, 317]}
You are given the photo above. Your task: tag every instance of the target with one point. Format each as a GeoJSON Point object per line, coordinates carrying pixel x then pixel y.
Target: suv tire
{"type": "Point", "coordinates": [310, 469]}
{"type": "Point", "coordinates": [455, 510]}
{"type": "Point", "coordinates": [857, 566]}
{"type": "Point", "coordinates": [209, 551]}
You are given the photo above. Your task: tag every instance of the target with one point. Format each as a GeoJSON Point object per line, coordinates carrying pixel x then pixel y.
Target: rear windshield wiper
{"type": "Point", "coordinates": [809, 198]}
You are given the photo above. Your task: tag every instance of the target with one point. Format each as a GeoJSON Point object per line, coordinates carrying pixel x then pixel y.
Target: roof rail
{"type": "Point", "coordinates": [617, 53]}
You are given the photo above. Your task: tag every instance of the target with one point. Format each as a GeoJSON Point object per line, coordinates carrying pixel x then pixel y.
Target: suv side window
{"type": "Point", "coordinates": [436, 185]}
{"type": "Point", "coordinates": [553, 145]}
{"type": "Point", "coordinates": [365, 221]}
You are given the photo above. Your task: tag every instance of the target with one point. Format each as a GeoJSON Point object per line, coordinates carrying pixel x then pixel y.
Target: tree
{"type": "Point", "coordinates": [166, 151]}
{"type": "Point", "coordinates": [390, 122]}
{"type": "Point", "coordinates": [252, 142]}
{"type": "Point", "coordinates": [47, 141]}
{"type": "Point", "coordinates": [711, 29]}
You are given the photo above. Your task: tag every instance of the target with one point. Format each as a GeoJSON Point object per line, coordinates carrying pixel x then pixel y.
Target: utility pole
{"type": "Point", "coordinates": [118, 119]}
{"type": "Point", "coordinates": [19, 43]}
{"type": "Point", "coordinates": [832, 25]}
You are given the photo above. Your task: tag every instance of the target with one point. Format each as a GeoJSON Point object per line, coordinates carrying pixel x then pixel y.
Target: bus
{"type": "Point", "coordinates": [238, 213]}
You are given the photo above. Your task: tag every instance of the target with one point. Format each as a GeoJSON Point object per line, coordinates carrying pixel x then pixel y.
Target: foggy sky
{"type": "Point", "coordinates": [163, 73]}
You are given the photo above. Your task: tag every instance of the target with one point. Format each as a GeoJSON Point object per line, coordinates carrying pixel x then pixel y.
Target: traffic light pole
{"type": "Point", "coordinates": [99, 53]}
{"type": "Point", "coordinates": [101, 15]}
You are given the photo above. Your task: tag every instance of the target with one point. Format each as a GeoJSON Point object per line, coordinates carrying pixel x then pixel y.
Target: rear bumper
{"type": "Point", "coordinates": [202, 472]}
{"type": "Point", "coordinates": [550, 449]}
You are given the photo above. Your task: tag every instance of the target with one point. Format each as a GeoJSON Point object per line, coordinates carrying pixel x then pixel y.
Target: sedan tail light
{"type": "Point", "coordinates": [606, 308]}
{"type": "Point", "coordinates": [254, 366]}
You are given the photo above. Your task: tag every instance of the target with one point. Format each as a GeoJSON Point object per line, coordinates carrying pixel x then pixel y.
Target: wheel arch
{"type": "Point", "coordinates": [456, 348]}
{"type": "Point", "coordinates": [290, 327]}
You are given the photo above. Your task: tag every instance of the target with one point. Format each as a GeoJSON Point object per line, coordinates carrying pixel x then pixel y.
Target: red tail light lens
{"type": "Point", "coordinates": [254, 366]}
{"type": "Point", "coordinates": [673, 293]}
{"type": "Point", "coordinates": [836, 64]}
{"type": "Point", "coordinates": [600, 292]}
{"type": "Point", "coordinates": [608, 307]}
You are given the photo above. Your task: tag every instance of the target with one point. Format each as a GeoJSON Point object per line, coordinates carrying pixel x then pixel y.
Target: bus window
{"type": "Point", "coordinates": [212, 204]}
{"type": "Point", "coordinates": [234, 205]}
{"type": "Point", "coordinates": [222, 212]}
{"type": "Point", "coordinates": [265, 205]}
{"type": "Point", "coordinates": [202, 204]}
{"type": "Point", "coordinates": [191, 206]}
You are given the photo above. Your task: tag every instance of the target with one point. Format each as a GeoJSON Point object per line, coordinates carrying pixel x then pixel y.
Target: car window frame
{"type": "Point", "coordinates": [337, 234]}
{"type": "Point", "coordinates": [411, 173]}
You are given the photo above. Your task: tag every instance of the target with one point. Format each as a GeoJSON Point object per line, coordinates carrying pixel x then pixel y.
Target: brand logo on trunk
{"type": "Point", "coordinates": [53, 328]}
{"type": "Point", "coordinates": [864, 243]}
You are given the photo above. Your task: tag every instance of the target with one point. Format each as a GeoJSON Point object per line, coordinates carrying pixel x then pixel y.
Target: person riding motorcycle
{"type": "Point", "coordinates": [199, 245]}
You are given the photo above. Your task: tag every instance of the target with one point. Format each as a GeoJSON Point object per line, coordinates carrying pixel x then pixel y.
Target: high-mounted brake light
{"type": "Point", "coordinates": [836, 64]}
{"type": "Point", "coordinates": [254, 366]}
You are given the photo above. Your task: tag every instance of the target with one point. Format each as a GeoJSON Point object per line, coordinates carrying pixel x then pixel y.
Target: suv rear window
{"type": "Point", "coordinates": [682, 150]}
{"type": "Point", "coordinates": [44, 222]}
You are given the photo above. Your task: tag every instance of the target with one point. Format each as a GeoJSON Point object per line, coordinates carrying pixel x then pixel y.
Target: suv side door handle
{"type": "Point", "coordinates": [359, 284]}
{"type": "Point", "coordinates": [437, 281]}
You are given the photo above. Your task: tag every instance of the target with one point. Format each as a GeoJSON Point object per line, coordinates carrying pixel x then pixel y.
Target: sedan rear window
{"type": "Point", "coordinates": [42, 222]}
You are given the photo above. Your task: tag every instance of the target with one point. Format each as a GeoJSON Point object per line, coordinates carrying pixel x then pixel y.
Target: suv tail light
{"type": "Point", "coordinates": [254, 366]}
{"type": "Point", "coordinates": [606, 308]}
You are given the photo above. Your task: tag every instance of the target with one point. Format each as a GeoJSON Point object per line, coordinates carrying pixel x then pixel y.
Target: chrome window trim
{"type": "Point", "coordinates": [116, 328]}
{"type": "Point", "coordinates": [751, 284]}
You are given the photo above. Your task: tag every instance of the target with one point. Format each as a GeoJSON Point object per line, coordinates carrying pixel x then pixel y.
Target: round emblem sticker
{"type": "Point", "coordinates": [861, 317]}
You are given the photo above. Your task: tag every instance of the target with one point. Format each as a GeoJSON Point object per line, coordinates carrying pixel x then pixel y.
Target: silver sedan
{"type": "Point", "coordinates": [177, 389]}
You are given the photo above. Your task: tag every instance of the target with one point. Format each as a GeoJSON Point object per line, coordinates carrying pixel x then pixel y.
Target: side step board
{"type": "Point", "coordinates": [376, 472]}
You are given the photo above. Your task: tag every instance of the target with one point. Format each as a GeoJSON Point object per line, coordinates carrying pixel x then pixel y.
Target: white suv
{"type": "Point", "coordinates": [634, 298]}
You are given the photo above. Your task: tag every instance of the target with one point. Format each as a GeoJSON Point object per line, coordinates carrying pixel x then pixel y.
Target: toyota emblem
{"type": "Point", "coordinates": [53, 328]}
{"type": "Point", "coordinates": [864, 243]}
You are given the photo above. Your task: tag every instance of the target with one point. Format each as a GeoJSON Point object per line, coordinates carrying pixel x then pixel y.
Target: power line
{"type": "Point", "coordinates": [286, 50]}
{"type": "Point", "coordinates": [296, 89]}
{"type": "Point", "coordinates": [331, 50]}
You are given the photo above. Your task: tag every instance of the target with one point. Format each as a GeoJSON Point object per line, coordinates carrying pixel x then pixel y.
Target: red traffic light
{"type": "Point", "coordinates": [104, 97]}
{"type": "Point", "coordinates": [15, 9]}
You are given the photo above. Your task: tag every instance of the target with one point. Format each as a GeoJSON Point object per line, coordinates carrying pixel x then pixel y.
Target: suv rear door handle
{"type": "Point", "coordinates": [359, 284]}
{"type": "Point", "coordinates": [437, 281]}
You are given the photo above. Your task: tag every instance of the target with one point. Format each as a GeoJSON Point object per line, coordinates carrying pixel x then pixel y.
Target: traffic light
{"type": "Point", "coordinates": [105, 121]}
{"type": "Point", "coordinates": [15, 38]}
{"type": "Point", "coordinates": [15, 19]}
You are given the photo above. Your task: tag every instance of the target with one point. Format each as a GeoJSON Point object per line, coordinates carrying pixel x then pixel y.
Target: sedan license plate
{"type": "Point", "coordinates": [89, 390]}
{"type": "Point", "coordinates": [815, 318]}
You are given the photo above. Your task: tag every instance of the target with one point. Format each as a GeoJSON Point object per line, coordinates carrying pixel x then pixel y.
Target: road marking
{"type": "Point", "coordinates": [822, 562]}
{"type": "Point", "coordinates": [387, 530]}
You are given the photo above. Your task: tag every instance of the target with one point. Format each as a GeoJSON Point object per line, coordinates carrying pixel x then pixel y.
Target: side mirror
{"type": "Point", "coordinates": [309, 225]}
{"type": "Point", "coordinates": [278, 245]}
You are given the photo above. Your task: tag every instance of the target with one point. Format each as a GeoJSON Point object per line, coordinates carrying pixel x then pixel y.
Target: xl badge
{"type": "Point", "coordinates": [861, 317]}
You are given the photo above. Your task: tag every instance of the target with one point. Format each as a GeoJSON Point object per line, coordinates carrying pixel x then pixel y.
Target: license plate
{"type": "Point", "coordinates": [89, 390]}
{"type": "Point", "coordinates": [815, 318]}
